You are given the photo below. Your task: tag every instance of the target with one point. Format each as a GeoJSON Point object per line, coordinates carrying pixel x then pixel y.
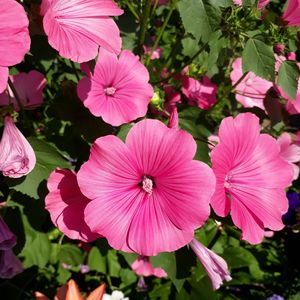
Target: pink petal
{"type": "Point", "coordinates": [29, 88]}
{"type": "Point", "coordinates": [66, 205]}
{"type": "Point", "coordinates": [3, 78]}
{"type": "Point", "coordinates": [292, 13]}
{"type": "Point", "coordinates": [14, 34]}
{"type": "Point", "coordinates": [215, 266]}
{"type": "Point", "coordinates": [76, 28]}
{"type": "Point", "coordinates": [143, 267]}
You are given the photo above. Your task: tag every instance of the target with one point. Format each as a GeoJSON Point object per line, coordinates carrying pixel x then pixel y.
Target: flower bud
{"type": "Point", "coordinates": [17, 157]}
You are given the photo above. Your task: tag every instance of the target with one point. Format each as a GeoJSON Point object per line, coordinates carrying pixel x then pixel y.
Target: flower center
{"type": "Point", "coordinates": [147, 185]}
{"type": "Point", "coordinates": [109, 91]}
{"type": "Point", "coordinates": [228, 183]}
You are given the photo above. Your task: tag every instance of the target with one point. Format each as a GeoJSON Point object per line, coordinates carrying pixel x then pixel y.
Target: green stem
{"type": "Point", "coordinates": [12, 87]}
{"type": "Point", "coordinates": [75, 70]}
{"type": "Point", "coordinates": [160, 33]}
{"type": "Point", "coordinates": [131, 8]}
{"type": "Point", "coordinates": [239, 81]}
{"type": "Point", "coordinates": [144, 24]}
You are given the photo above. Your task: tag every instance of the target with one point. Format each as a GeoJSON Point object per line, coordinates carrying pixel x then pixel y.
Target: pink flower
{"type": "Point", "coordinates": [261, 3]}
{"type": "Point", "coordinates": [118, 91]}
{"type": "Point", "coordinates": [149, 192]}
{"type": "Point", "coordinates": [215, 266]}
{"type": "Point", "coordinates": [292, 13]}
{"type": "Point", "coordinates": [143, 267]}
{"type": "Point", "coordinates": [213, 140]}
{"type": "Point", "coordinates": [76, 28]}
{"type": "Point", "coordinates": [14, 37]}
{"type": "Point", "coordinates": [17, 157]}
{"type": "Point", "coordinates": [66, 205]}
{"type": "Point", "coordinates": [252, 90]}
{"type": "Point", "coordinates": [156, 53]}
{"type": "Point", "coordinates": [199, 93]}
{"type": "Point", "coordinates": [289, 152]}
{"type": "Point", "coordinates": [251, 177]}
{"type": "Point", "coordinates": [10, 265]}
{"type": "Point", "coordinates": [7, 238]}
{"type": "Point", "coordinates": [29, 87]}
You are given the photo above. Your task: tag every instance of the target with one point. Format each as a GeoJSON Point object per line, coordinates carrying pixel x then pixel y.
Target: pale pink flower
{"type": "Point", "coordinates": [199, 93]}
{"type": "Point", "coordinates": [215, 266]}
{"type": "Point", "coordinates": [292, 13]}
{"type": "Point", "coordinates": [289, 152]}
{"type": "Point", "coordinates": [148, 194]}
{"type": "Point", "coordinates": [66, 205]}
{"type": "Point", "coordinates": [269, 233]}
{"type": "Point", "coordinates": [261, 3]}
{"type": "Point", "coordinates": [14, 37]}
{"type": "Point", "coordinates": [156, 53]}
{"type": "Point", "coordinates": [7, 238]}
{"type": "Point", "coordinates": [76, 28]}
{"type": "Point", "coordinates": [252, 90]}
{"type": "Point", "coordinates": [10, 265]}
{"type": "Point", "coordinates": [17, 157]}
{"type": "Point", "coordinates": [29, 87]}
{"type": "Point", "coordinates": [251, 177]}
{"type": "Point", "coordinates": [118, 91]}
{"type": "Point", "coordinates": [143, 267]}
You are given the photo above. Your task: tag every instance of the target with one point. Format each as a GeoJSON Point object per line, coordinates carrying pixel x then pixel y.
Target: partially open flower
{"type": "Point", "coordinates": [215, 265]}
{"type": "Point", "coordinates": [17, 157]}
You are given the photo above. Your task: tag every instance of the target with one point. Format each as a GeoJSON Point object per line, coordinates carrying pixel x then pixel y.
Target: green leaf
{"type": "Point", "coordinates": [47, 159]}
{"type": "Point", "coordinates": [70, 254]}
{"type": "Point", "coordinates": [288, 76]}
{"type": "Point", "coordinates": [241, 257]}
{"type": "Point", "coordinates": [96, 261]}
{"type": "Point", "coordinates": [114, 266]}
{"type": "Point", "coordinates": [198, 18]}
{"type": "Point", "coordinates": [37, 250]}
{"type": "Point", "coordinates": [259, 58]}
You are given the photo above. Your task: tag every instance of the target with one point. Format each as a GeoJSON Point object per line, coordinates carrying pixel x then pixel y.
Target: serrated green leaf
{"type": "Point", "coordinates": [259, 58]}
{"type": "Point", "coordinates": [198, 18]}
{"type": "Point", "coordinates": [288, 76]}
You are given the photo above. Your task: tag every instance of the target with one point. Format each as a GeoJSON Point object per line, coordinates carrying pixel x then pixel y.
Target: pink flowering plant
{"type": "Point", "coordinates": [149, 149]}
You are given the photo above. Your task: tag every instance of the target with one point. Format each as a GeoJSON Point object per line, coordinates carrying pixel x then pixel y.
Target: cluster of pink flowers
{"type": "Point", "coordinates": [146, 195]}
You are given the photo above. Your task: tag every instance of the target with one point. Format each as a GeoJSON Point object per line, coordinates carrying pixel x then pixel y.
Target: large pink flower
{"type": "Point", "coordinates": [14, 37]}
{"type": "Point", "coordinates": [148, 195]}
{"type": "Point", "coordinates": [251, 177]}
{"type": "Point", "coordinates": [292, 13]}
{"type": "Point", "coordinates": [29, 87]}
{"type": "Point", "coordinates": [76, 28]}
{"type": "Point", "coordinates": [118, 91]}
{"type": "Point", "coordinates": [252, 90]}
{"type": "Point", "coordinates": [17, 157]}
{"type": "Point", "coordinates": [143, 267]}
{"type": "Point", "coordinates": [215, 266]}
{"type": "Point", "coordinates": [66, 205]}
{"type": "Point", "coordinates": [289, 152]}
{"type": "Point", "coordinates": [199, 93]}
